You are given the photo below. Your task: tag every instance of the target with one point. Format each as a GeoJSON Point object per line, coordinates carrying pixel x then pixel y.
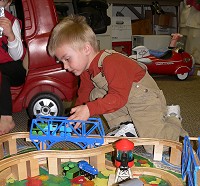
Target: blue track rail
{"type": "Point", "coordinates": [48, 130]}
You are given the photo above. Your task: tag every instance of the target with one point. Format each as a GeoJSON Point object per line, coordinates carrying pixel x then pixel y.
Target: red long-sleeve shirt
{"type": "Point", "coordinates": [120, 73]}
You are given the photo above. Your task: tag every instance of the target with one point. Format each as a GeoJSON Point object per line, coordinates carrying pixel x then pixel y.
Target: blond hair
{"type": "Point", "coordinates": [72, 30]}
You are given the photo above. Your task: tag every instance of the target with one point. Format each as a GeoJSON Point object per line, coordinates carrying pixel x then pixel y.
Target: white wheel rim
{"type": "Point", "coordinates": [182, 76]}
{"type": "Point", "coordinates": [45, 107]}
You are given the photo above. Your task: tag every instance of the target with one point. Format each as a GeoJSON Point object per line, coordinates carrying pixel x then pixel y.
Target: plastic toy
{"type": "Point", "coordinates": [174, 61]}
{"type": "Point", "coordinates": [191, 162]}
{"type": "Point", "coordinates": [124, 159]}
{"type": "Point", "coordinates": [52, 127]}
{"type": "Point", "coordinates": [87, 170]}
{"type": "Point", "coordinates": [47, 83]}
{"type": "Point", "coordinates": [47, 130]}
{"type": "Point", "coordinates": [78, 180]}
{"type": "Point", "coordinates": [71, 170]}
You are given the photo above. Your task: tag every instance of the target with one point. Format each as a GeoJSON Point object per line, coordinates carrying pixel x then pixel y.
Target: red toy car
{"type": "Point", "coordinates": [47, 83]}
{"type": "Point", "coordinates": [174, 61]}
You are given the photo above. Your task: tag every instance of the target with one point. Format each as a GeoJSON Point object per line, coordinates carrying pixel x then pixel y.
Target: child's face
{"type": "Point", "coordinates": [74, 60]}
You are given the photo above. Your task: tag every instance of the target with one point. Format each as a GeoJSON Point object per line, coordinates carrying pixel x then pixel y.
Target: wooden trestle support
{"type": "Point", "coordinates": [20, 166]}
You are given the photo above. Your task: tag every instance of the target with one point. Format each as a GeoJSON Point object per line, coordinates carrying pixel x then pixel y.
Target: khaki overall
{"type": "Point", "coordinates": [146, 107]}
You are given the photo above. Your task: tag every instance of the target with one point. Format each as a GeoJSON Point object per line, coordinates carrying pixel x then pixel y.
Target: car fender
{"type": "Point", "coordinates": [39, 85]}
{"type": "Point", "coordinates": [49, 84]}
{"type": "Point", "coordinates": [182, 70]}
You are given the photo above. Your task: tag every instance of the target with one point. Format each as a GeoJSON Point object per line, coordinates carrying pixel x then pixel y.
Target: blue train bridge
{"type": "Point", "coordinates": [48, 130]}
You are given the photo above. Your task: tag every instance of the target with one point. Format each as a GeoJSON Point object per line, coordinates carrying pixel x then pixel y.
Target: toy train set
{"type": "Point", "coordinates": [22, 166]}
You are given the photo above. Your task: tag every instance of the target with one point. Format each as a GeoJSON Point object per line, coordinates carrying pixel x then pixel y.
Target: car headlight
{"type": "Point", "coordinates": [186, 60]}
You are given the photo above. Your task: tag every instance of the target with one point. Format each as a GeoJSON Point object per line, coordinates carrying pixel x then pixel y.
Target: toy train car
{"type": "Point", "coordinates": [43, 128]}
{"type": "Point", "coordinates": [87, 170]}
{"type": "Point", "coordinates": [71, 170]}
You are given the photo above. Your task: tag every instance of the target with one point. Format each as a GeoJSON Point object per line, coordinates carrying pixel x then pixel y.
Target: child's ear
{"type": "Point", "coordinates": [87, 48]}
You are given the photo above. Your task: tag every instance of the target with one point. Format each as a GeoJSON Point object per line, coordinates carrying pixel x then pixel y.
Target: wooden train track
{"type": "Point", "coordinates": [23, 165]}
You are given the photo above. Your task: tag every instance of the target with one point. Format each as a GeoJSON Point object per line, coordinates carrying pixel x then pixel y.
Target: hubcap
{"type": "Point", "coordinates": [45, 107]}
{"type": "Point", "coordinates": [182, 76]}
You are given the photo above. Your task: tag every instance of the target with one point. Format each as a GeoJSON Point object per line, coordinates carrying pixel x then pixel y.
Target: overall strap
{"type": "Point", "coordinates": [109, 52]}
{"type": "Point", "coordinates": [104, 55]}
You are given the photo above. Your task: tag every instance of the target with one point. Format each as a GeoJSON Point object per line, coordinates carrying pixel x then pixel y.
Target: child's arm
{"type": "Point", "coordinates": [81, 111]}
{"type": "Point", "coordinates": [120, 73]}
{"type": "Point", "coordinates": [13, 33]}
{"type": "Point", "coordinates": [119, 86]}
{"type": "Point", "coordinates": [85, 88]}
{"type": "Point", "coordinates": [15, 47]}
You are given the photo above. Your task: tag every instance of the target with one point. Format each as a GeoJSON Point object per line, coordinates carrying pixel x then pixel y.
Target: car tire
{"type": "Point", "coordinates": [46, 104]}
{"type": "Point", "coordinates": [183, 76]}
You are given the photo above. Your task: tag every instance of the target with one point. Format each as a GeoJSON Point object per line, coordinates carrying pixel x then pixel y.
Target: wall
{"type": "Point", "coordinates": [190, 26]}
{"type": "Point", "coordinates": [148, 19]}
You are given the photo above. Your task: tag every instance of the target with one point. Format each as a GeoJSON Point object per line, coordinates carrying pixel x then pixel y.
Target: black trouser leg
{"type": "Point", "coordinates": [5, 97]}
{"type": "Point", "coordinates": [12, 74]}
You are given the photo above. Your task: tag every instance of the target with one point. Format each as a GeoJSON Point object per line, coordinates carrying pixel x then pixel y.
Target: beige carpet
{"type": "Point", "coordinates": [185, 93]}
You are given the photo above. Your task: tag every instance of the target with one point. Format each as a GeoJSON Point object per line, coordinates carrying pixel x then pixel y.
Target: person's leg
{"type": "Point", "coordinates": [6, 121]}
{"type": "Point", "coordinates": [15, 71]}
{"type": "Point", "coordinates": [148, 110]}
{"type": "Point", "coordinates": [150, 119]}
{"type": "Point", "coordinates": [13, 74]}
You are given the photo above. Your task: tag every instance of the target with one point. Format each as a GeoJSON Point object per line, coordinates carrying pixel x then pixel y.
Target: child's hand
{"type": "Point", "coordinates": [79, 113]}
{"type": "Point", "coordinates": [6, 24]}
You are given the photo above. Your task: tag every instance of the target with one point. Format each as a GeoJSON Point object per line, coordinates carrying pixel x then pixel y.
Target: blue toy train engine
{"type": "Point", "coordinates": [87, 170]}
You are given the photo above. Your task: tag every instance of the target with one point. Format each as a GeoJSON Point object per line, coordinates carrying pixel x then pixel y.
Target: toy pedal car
{"type": "Point", "coordinates": [47, 83]}
{"type": "Point", "coordinates": [174, 61]}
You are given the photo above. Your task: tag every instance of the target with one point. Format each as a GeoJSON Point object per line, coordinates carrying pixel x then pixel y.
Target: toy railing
{"type": "Point", "coordinates": [20, 166]}
{"type": "Point", "coordinates": [191, 162]}
{"type": "Point", "coordinates": [8, 142]}
{"type": "Point", "coordinates": [47, 130]}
